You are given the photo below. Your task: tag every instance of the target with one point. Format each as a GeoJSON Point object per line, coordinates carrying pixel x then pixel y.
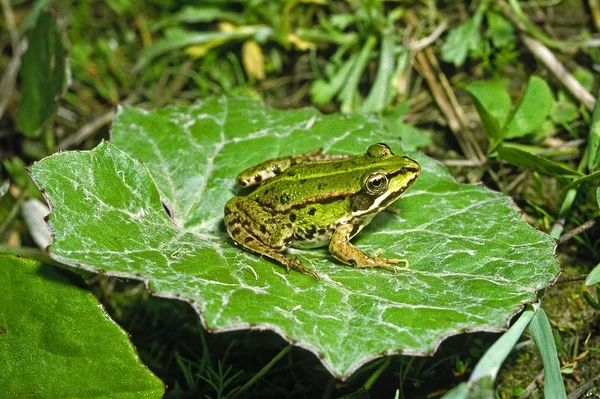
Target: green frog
{"type": "Point", "coordinates": [315, 200]}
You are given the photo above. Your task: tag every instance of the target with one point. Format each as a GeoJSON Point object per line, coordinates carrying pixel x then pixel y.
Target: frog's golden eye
{"type": "Point", "coordinates": [376, 183]}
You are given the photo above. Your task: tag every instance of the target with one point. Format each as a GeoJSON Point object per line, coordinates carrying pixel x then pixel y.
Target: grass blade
{"type": "Point", "coordinates": [542, 335]}
{"type": "Point", "coordinates": [481, 381]}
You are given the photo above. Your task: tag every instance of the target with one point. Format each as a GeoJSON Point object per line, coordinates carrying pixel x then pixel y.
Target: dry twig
{"type": "Point", "coordinates": [91, 127]}
{"type": "Point", "coordinates": [577, 230]}
{"type": "Point", "coordinates": [426, 64]}
{"type": "Point", "coordinates": [559, 71]}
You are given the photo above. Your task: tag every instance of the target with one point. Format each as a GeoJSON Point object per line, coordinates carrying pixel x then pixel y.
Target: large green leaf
{"type": "Point", "coordinates": [473, 261]}
{"type": "Point", "coordinates": [57, 342]}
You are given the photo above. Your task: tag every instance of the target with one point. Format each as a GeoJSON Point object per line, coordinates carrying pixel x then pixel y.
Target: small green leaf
{"type": "Point", "coordinates": [493, 105]}
{"type": "Point", "coordinates": [500, 31]}
{"type": "Point", "coordinates": [564, 112]}
{"type": "Point", "coordinates": [473, 260]}
{"type": "Point", "coordinates": [43, 75]}
{"type": "Point", "coordinates": [585, 77]}
{"type": "Point", "coordinates": [590, 299]}
{"type": "Point", "coordinates": [567, 370]}
{"type": "Point", "coordinates": [542, 335]}
{"type": "Point", "coordinates": [57, 341]}
{"type": "Point", "coordinates": [594, 276]}
{"type": "Point", "coordinates": [460, 42]}
{"type": "Point", "coordinates": [594, 140]}
{"type": "Point", "coordinates": [532, 110]}
{"type": "Point", "coordinates": [534, 162]}
{"type": "Point", "coordinates": [342, 21]}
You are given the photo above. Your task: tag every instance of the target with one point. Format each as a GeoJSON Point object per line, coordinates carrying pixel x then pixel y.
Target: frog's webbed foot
{"type": "Point", "coordinates": [389, 260]}
{"type": "Point", "coordinates": [265, 233]}
{"type": "Point", "coordinates": [341, 249]}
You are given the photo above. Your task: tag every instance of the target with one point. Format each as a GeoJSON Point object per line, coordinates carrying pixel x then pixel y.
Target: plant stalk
{"type": "Point", "coordinates": [262, 372]}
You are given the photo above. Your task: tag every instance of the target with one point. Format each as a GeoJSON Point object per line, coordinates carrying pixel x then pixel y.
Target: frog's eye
{"type": "Point", "coordinates": [376, 183]}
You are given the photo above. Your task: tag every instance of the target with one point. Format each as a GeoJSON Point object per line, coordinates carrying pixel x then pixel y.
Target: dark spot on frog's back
{"type": "Point", "coordinates": [302, 181]}
{"type": "Point", "coordinates": [321, 186]}
{"type": "Point", "coordinates": [292, 217]}
{"type": "Point", "coordinates": [284, 199]}
{"type": "Point", "coordinates": [312, 211]}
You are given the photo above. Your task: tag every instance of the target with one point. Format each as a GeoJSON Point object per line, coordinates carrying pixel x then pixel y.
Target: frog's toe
{"type": "Point", "coordinates": [294, 263]}
{"type": "Point", "coordinates": [391, 268]}
{"type": "Point", "coordinates": [398, 260]}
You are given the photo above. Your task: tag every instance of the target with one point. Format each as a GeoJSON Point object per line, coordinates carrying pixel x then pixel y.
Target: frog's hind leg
{"type": "Point", "coordinates": [259, 231]}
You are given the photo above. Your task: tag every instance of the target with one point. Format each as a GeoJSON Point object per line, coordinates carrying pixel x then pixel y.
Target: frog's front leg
{"type": "Point", "coordinates": [341, 249]}
{"type": "Point", "coordinates": [260, 231]}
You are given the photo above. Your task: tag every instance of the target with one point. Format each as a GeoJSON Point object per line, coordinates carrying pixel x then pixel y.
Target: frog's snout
{"type": "Point", "coordinates": [412, 166]}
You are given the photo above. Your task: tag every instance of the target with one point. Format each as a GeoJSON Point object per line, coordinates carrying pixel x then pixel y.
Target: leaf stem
{"type": "Point", "coordinates": [559, 224]}
{"type": "Point", "coordinates": [537, 33]}
{"type": "Point", "coordinates": [262, 372]}
{"type": "Point", "coordinates": [30, 253]}
{"type": "Point", "coordinates": [577, 230]}
{"type": "Point", "coordinates": [569, 279]}
{"type": "Point", "coordinates": [205, 349]}
{"type": "Point", "coordinates": [384, 365]}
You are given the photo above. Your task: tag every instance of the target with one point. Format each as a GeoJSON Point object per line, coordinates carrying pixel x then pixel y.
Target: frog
{"type": "Point", "coordinates": [314, 200]}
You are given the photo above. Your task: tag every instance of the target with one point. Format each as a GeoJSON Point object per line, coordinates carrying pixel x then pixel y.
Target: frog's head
{"type": "Point", "coordinates": [386, 178]}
